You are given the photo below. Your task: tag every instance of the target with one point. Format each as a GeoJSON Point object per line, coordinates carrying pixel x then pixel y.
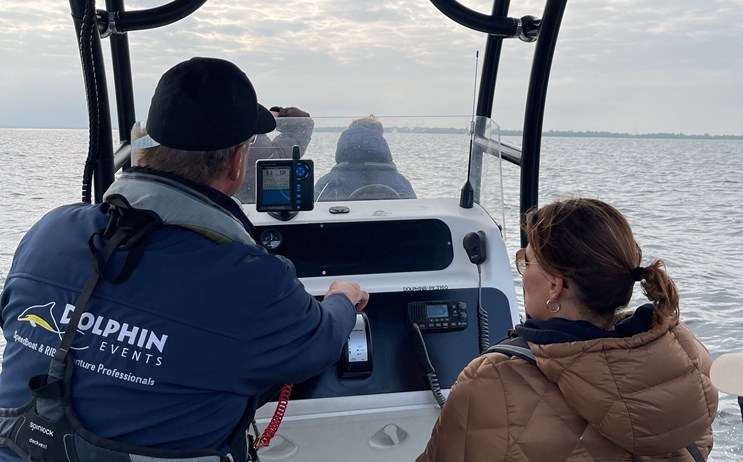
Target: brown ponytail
{"type": "Point", "coordinates": [660, 289]}
{"type": "Point", "coordinates": [591, 245]}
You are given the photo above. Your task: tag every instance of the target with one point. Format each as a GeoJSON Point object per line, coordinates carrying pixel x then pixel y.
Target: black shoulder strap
{"type": "Point", "coordinates": [516, 346]}
{"type": "Point", "coordinates": [694, 451]}
{"type": "Point", "coordinates": [125, 228]}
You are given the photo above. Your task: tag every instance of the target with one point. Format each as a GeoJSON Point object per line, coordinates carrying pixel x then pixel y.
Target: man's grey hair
{"type": "Point", "coordinates": [201, 167]}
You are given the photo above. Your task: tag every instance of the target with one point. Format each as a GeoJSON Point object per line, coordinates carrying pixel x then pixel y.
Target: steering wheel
{"type": "Point", "coordinates": [373, 192]}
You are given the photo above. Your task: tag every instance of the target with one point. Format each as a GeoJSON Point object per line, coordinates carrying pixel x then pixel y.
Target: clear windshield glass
{"type": "Point", "coordinates": [379, 158]}
{"type": "Point", "coordinates": [487, 168]}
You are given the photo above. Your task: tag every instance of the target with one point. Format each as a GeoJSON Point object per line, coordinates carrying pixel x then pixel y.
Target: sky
{"type": "Point", "coordinates": [635, 66]}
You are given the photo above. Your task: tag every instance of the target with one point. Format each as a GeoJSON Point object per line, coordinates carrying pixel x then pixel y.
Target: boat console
{"type": "Point", "coordinates": [438, 273]}
{"type": "Point", "coordinates": [417, 272]}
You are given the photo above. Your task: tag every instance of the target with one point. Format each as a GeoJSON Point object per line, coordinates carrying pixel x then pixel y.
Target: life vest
{"type": "Point", "coordinates": [47, 428]}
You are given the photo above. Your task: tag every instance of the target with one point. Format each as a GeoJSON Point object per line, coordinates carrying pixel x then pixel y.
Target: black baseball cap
{"type": "Point", "coordinates": [205, 104]}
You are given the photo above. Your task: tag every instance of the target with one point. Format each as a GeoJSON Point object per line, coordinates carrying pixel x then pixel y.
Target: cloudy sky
{"type": "Point", "coordinates": [620, 65]}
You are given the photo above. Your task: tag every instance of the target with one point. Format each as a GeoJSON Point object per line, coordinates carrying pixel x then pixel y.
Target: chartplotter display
{"type": "Point", "coordinates": [284, 185]}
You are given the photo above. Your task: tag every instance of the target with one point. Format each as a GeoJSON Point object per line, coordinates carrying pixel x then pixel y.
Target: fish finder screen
{"type": "Point", "coordinates": [437, 311]}
{"type": "Point", "coordinates": [276, 185]}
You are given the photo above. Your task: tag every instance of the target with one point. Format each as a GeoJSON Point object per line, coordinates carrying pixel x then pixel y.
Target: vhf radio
{"type": "Point", "coordinates": [439, 316]}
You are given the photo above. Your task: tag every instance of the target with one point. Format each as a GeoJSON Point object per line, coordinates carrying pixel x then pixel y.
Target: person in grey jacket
{"type": "Point", "coordinates": [295, 129]}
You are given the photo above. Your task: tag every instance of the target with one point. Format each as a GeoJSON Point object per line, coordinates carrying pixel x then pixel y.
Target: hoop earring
{"type": "Point", "coordinates": [553, 306]}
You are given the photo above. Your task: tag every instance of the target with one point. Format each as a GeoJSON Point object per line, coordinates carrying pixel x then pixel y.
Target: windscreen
{"type": "Point", "coordinates": [388, 158]}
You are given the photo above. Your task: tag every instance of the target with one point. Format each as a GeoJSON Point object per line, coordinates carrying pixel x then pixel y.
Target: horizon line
{"type": "Point", "coordinates": [503, 131]}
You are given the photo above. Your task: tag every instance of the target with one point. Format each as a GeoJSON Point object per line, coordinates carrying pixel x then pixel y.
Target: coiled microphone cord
{"type": "Point", "coordinates": [431, 377]}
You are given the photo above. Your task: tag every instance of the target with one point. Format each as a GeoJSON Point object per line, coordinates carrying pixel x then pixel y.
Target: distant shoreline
{"type": "Point", "coordinates": [602, 134]}
{"type": "Point", "coordinates": [557, 133]}
{"type": "Point", "coordinates": [547, 133]}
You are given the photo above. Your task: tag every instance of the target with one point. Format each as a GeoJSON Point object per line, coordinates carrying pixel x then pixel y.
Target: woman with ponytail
{"type": "Point", "coordinates": [607, 384]}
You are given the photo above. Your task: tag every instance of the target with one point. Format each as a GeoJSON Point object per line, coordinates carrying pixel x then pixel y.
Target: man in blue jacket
{"type": "Point", "coordinates": [177, 354]}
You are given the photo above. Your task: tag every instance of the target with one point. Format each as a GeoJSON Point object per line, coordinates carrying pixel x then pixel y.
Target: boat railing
{"type": "Point", "coordinates": [507, 152]}
{"type": "Point", "coordinates": [119, 21]}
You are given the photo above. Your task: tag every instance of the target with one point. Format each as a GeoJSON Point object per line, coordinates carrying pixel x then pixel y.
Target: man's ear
{"type": "Point", "coordinates": [237, 158]}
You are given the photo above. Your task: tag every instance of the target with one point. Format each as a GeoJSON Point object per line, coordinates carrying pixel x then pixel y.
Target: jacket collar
{"type": "Point", "coordinates": [179, 202]}
{"type": "Point", "coordinates": [559, 330]}
{"type": "Point", "coordinates": [221, 199]}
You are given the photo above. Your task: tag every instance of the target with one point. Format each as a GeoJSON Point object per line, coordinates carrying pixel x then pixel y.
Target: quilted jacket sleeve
{"type": "Point", "coordinates": [473, 425]}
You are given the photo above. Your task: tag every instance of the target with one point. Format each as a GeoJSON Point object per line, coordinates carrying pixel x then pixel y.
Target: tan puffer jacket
{"type": "Point", "coordinates": [598, 400]}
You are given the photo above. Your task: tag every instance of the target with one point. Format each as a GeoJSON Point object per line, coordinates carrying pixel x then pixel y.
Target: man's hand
{"type": "Point", "coordinates": [353, 291]}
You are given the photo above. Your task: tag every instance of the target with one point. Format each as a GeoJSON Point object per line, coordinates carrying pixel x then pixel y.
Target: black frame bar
{"type": "Point", "coordinates": [116, 21]}
{"type": "Point", "coordinates": [535, 102]}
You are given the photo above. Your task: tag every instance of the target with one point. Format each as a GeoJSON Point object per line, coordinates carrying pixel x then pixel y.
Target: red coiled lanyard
{"type": "Point", "coordinates": [263, 439]}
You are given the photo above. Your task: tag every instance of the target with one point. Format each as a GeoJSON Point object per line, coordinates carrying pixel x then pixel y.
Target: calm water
{"type": "Point", "coordinates": [682, 197]}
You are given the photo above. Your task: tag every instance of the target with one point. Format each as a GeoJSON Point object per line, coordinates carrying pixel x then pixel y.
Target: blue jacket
{"type": "Point", "coordinates": [363, 158]}
{"type": "Point", "coordinates": [171, 357]}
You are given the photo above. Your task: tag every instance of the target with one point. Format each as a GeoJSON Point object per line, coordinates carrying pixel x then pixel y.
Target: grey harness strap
{"type": "Point", "coordinates": [512, 350]}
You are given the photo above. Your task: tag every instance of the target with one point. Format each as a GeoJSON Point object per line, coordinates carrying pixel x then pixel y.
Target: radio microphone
{"type": "Point", "coordinates": [474, 244]}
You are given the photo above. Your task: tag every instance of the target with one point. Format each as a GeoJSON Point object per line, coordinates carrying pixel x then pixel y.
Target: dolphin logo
{"type": "Point", "coordinates": [43, 316]}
